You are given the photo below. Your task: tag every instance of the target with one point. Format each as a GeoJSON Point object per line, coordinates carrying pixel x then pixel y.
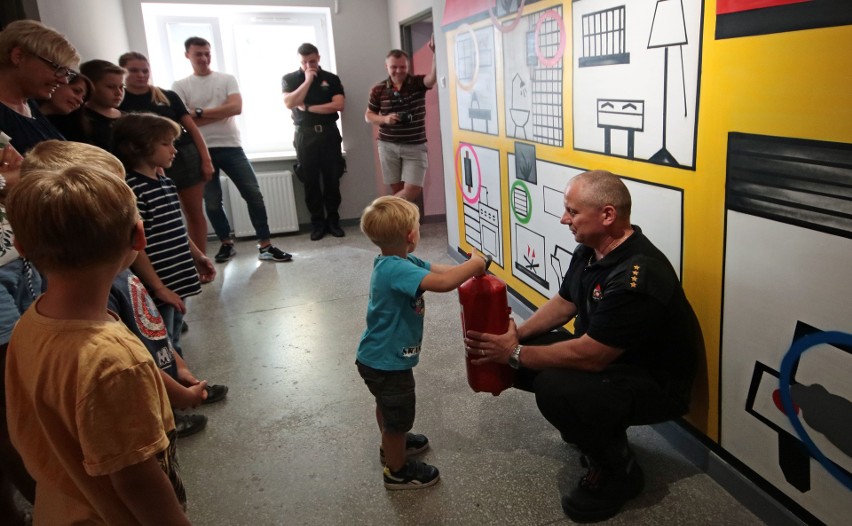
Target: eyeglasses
{"type": "Point", "coordinates": [60, 71]}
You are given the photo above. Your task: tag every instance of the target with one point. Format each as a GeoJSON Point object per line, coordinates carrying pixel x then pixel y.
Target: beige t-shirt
{"type": "Point", "coordinates": [84, 400]}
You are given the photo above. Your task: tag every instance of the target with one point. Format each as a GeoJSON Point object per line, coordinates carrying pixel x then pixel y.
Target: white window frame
{"type": "Point", "coordinates": [266, 107]}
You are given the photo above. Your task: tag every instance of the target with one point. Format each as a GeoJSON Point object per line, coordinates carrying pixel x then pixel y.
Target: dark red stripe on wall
{"type": "Point", "coordinates": [724, 7]}
{"type": "Point", "coordinates": [797, 16]}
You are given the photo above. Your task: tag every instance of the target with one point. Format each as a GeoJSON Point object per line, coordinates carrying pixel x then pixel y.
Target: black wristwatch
{"type": "Point", "coordinates": [199, 112]}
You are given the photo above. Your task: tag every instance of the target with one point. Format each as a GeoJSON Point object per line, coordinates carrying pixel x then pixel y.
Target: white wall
{"type": "Point", "coordinates": [361, 41]}
{"type": "Point", "coordinates": [95, 27]}
{"type": "Point", "coordinates": [399, 10]}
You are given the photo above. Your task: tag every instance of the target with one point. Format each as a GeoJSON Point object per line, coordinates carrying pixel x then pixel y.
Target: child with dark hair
{"type": "Point", "coordinates": [171, 263]}
{"type": "Point", "coordinates": [65, 108]}
{"type": "Point", "coordinates": [192, 167]}
{"type": "Point", "coordinates": [101, 110]}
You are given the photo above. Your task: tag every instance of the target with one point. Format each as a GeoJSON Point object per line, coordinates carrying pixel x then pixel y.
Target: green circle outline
{"type": "Point", "coordinates": [520, 219]}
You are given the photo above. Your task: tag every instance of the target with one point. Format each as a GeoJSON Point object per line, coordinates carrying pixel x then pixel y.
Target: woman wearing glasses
{"type": "Point", "coordinates": [192, 166]}
{"type": "Point", "coordinates": [34, 61]}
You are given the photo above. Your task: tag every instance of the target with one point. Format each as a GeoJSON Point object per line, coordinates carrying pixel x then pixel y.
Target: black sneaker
{"type": "Point", "coordinates": [335, 230]}
{"type": "Point", "coordinates": [603, 491]}
{"type": "Point", "coordinates": [414, 445]}
{"type": "Point", "coordinates": [272, 253]}
{"type": "Point", "coordinates": [318, 232]}
{"type": "Point", "coordinates": [215, 393]}
{"type": "Point", "coordinates": [187, 425]}
{"type": "Point", "coordinates": [226, 253]}
{"type": "Point", "coordinates": [413, 475]}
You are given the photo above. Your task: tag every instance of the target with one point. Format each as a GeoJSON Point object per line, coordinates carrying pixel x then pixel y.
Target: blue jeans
{"type": "Point", "coordinates": [20, 284]}
{"type": "Point", "coordinates": [173, 320]}
{"type": "Point", "coordinates": [233, 162]}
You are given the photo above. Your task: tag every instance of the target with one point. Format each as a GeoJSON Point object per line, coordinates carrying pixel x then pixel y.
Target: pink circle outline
{"type": "Point", "coordinates": [505, 28]}
{"type": "Point", "coordinates": [550, 61]}
{"type": "Point", "coordinates": [475, 199]}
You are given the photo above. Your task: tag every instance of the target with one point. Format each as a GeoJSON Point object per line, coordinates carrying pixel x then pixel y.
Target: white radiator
{"type": "Point", "coordinates": [277, 189]}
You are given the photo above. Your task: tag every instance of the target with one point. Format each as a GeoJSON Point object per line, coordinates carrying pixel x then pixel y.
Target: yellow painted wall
{"type": "Point", "coordinates": [795, 84]}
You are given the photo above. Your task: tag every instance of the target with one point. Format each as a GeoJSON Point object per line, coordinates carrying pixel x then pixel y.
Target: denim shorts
{"type": "Point", "coordinates": [394, 392]}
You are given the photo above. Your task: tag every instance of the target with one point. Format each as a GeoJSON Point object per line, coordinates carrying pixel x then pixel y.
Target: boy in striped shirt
{"type": "Point", "coordinates": [171, 263]}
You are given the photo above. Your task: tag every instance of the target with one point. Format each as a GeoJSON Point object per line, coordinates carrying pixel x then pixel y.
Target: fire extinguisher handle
{"type": "Point", "coordinates": [487, 257]}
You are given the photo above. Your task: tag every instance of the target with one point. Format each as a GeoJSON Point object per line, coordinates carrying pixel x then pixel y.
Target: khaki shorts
{"type": "Point", "coordinates": [403, 162]}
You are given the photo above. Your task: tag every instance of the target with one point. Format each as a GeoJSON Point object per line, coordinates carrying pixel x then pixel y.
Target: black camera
{"type": "Point", "coordinates": [404, 117]}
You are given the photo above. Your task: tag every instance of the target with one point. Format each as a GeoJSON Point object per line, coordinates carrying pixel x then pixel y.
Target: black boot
{"type": "Point", "coordinates": [613, 478]}
{"type": "Point", "coordinates": [318, 230]}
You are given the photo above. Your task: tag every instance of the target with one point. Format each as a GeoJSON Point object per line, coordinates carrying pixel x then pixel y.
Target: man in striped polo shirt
{"type": "Point", "coordinates": [398, 106]}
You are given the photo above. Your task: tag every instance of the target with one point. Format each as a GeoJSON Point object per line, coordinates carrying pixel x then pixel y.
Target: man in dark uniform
{"type": "Point", "coordinates": [315, 96]}
{"type": "Point", "coordinates": [632, 357]}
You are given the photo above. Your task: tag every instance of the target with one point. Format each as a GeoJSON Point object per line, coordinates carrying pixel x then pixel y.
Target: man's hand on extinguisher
{"type": "Point", "coordinates": [483, 347]}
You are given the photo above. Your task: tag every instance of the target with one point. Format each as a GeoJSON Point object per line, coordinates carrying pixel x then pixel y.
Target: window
{"type": "Point", "coordinates": [256, 44]}
{"type": "Point", "coordinates": [604, 38]}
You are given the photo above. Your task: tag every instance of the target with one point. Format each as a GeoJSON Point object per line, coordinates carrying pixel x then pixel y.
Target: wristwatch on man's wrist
{"type": "Point", "coordinates": [515, 358]}
{"type": "Point", "coordinates": [199, 112]}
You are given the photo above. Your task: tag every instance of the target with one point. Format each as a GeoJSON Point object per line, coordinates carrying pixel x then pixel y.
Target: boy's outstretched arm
{"type": "Point", "coordinates": [450, 277]}
{"type": "Point", "coordinates": [147, 492]}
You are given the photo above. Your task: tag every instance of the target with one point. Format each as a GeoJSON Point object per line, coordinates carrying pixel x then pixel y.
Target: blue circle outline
{"type": "Point", "coordinates": [790, 360]}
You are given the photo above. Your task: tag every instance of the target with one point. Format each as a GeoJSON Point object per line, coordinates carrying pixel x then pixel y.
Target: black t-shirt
{"type": "Point", "coordinates": [26, 132]}
{"type": "Point", "coordinates": [97, 129]}
{"type": "Point", "coordinates": [633, 300]}
{"type": "Point", "coordinates": [324, 87]}
{"type": "Point", "coordinates": [70, 125]}
{"type": "Point", "coordinates": [174, 110]}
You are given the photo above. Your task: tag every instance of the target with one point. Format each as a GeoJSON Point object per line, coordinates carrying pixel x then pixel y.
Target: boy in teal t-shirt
{"type": "Point", "coordinates": [390, 346]}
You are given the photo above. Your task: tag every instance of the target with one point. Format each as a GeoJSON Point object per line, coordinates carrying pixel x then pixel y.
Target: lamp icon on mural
{"type": "Point", "coordinates": [668, 28]}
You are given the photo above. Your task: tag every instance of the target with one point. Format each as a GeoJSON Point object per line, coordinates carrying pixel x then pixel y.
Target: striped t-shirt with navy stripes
{"type": "Point", "coordinates": [168, 244]}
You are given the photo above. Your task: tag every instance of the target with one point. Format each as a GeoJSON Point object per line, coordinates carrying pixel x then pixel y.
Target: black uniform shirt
{"type": "Point", "coordinates": [324, 87]}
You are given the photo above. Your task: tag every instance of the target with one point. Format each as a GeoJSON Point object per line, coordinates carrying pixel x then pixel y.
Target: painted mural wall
{"type": "Point", "coordinates": [731, 124]}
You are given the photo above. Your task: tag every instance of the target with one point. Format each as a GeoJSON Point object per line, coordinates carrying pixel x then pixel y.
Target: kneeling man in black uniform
{"type": "Point", "coordinates": [632, 357]}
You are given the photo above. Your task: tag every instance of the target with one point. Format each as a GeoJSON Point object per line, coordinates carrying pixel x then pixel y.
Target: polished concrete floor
{"type": "Point", "coordinates": [296, 441]}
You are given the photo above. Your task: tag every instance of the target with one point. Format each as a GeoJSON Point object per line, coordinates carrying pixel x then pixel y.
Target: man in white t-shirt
{"type": "Point", "coordinates": [213, 100]}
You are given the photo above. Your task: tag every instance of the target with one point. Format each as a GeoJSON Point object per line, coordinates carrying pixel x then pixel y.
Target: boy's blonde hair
{"type": "Point", "coordinates": [388, 220]}
{"type": "Point", "coordinates": [37, 39]}
{"type": "Point", "coordinates": [58, 155]}
{"type": "Point", "coordinates": [135, 134]}
{"type": "Point", "coordinates": [69, 218]}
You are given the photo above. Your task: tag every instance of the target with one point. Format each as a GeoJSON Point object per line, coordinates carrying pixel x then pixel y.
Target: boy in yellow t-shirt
{"type": "Point", "coordinates": [87, 408]}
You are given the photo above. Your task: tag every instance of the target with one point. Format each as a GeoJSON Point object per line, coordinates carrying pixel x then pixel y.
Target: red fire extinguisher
{"type": "Point", "coordinates": [485, 308]}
